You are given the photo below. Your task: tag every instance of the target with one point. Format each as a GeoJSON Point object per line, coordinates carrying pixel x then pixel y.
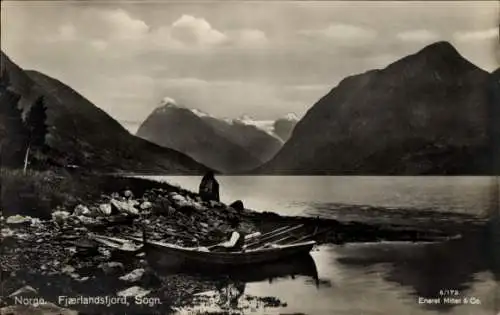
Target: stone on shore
{"type": "Point", "coordinates": [128, 194]}
{"type": "Point", "coordinates": [79, 278]}
{"type": "Point", "coordinates": [215, 204]}
{"type": "Point", "coordinates": [134, 291]}
{"type": "Point", "coordinates": [104, 252]}
{"type": "Point", "coordinates": [6, 232]}
{"type": "Point", "coordinates": [133, 276]}
{"type": "Point", "coordinates": [36, 222]}
{"type": "Point", "coordinates": [146, 205]}
{"type": "Point", "coordinates": [178, 200]}
{"type": "Point", "coordinates": [24, 291]}
{"type": "Point", "coordinates": [86, 220]}
{"type": "Point", "coordinates": [184, 202]}
{"type": "Point", "coordinates": [105, 209]}
{"type": "Point", "coordinates": [237, 205]}
{"type": "Point", "coordinates": [81, 210]}
{"type": "Point", "coordinates": [18, 219]}
{"type": "Point", "coordinates": [68, 269]}
{"type": "Point", "coordinates": [60, 217]}
{"type": "Point", "coordinates": [127, 207]}
{"type": "Point", "coordinates": [111, 267]}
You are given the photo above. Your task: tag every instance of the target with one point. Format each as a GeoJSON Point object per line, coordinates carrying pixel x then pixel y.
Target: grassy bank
{"type": "Point", "coordinates": [39, 193]}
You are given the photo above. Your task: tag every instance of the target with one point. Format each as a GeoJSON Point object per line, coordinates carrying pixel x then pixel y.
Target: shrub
{"type": "Point", "coordinates": [35, 193]}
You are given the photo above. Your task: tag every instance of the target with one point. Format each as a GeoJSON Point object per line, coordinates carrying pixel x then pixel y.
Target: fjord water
{"type": "Point", "coordinates": [376, 278]}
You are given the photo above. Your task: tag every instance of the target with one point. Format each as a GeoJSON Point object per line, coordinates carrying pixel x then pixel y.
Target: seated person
{"type": "Point", "coordinates": [209, 188]}
{"type": "Point", "coordinates": [236, 240]}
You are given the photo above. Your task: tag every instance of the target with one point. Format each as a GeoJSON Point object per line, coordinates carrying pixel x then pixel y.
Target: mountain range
{"type": "Point", "coordinates": [78, 133]}
{"type": "Point", "coordinates": [261, 143]}
{"type": "Point", "coordinates": [432, 112]}
{"type": "Point", "coordinates": [427, 113]}
{"type": "Point", "coordinates": [225, 145]}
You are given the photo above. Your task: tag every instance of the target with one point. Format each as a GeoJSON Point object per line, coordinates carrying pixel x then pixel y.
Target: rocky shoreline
{"type": "Point", "coordinates": [57, 257]}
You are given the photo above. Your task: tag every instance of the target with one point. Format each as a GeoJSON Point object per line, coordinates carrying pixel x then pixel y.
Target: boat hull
{"type": "Point", "coordinates": [171, 256]}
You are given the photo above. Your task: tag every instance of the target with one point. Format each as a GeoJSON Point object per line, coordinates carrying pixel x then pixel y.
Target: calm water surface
{"type": "Point", "coordinates": [298, 195]}
{"type": "Point", "coordinates": [374, 278]}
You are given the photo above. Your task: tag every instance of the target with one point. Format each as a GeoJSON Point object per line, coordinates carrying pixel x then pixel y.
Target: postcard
{"type": "Point", "coordinates": [250, 157]}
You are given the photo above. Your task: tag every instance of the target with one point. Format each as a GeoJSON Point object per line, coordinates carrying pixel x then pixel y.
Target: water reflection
{"type": "Point", "coordinates": [427, 269]}
{"type": "Point", "coordinates": [300, 265]}
{"type": "Point", "coordinates": [224, 288]}
{"type": "Point", "coordinates": [230, 292]}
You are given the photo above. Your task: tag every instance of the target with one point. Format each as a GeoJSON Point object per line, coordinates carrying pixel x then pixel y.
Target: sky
{"type": "Point", "coordinates": [231, 58]}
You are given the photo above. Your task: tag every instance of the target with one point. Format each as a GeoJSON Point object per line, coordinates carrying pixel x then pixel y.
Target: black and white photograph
{"type": "Point", "coordinates": [250, 157]}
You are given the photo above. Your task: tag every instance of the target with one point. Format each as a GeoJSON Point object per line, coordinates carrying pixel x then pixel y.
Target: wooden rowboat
{"type": "Point", "coordinates": [256, 252]}
{"type": "Point", "coordinates": [173, 255]}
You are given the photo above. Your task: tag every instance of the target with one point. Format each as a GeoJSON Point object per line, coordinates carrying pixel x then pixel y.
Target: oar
{"type": "Point", "coordinates": [282, 239]}
{"type": "Point", "coordinates": [274, 235]}
{"type": "Point", "coordinates": [308, 236]}
{"type": "Point", "coordinates": [275, 231]}
{"type": "Point", "coordinates": [297, 240]}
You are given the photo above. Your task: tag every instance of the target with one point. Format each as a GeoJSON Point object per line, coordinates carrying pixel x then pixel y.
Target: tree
{"type": "Point", "coordinates": [35, 122]}
{"type": "Point", "coordinates": [13, 133]}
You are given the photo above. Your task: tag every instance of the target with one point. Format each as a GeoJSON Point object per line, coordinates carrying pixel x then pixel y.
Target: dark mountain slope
{"type": "Point", "coordinates": [79, 133]}
{"type": "Point", "coordinates": [424, 114]}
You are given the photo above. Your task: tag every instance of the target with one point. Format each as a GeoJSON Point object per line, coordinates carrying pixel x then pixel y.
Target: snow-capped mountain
{"type": "Point", "coordinates": [228, 145]}
{"type": "Point", "coordinates": [172, 125]}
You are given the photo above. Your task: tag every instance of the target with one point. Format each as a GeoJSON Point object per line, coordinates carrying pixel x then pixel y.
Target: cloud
{"type": "Point", "coordinates": [342, 32]}
{"type": "Point", "coordinates": [420, 36]}
{"type": "Point", "coordinates": [117, 30]}
{"type": "Point", "coordinates": [121, 25]}
{"type": "Point", "coordinates": [476, 35]}
{"type": "Point", "coordinates": [99, 29]}
{"type": "Point", "coordinates": [192, 30]}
